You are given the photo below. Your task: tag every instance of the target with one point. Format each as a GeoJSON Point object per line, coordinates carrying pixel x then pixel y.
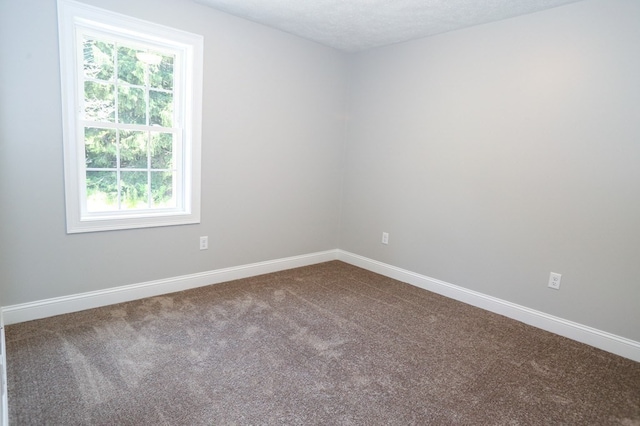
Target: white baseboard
{"type": "Point", "coordinates": [600, 339]}
{"type": "Point", "coordinates": [63, 305]}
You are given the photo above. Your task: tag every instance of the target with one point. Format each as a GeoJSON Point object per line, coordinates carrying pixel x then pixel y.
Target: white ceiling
{"type": "Point", "coordinates": [355, 25]}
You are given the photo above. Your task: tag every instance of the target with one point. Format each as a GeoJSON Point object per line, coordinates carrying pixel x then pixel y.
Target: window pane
{"type": "Point", "coordinates": [161, 75]}
{"type": "Point", "coordinates": [133, 149]}
{"type": "Point", "coordinates": [132, 107]}
{"type": "Point", "coordinates": [100, 148]}
{"type": "Point", "coordinates": [102, 191]}
{"type": "Point", "coordinates": [98, 59]}
{"type": "Point", "coordinates": [161, 150]}
{"type": "Point", "coordinates": [162, 190]}
{"type": "Point", "coordinates": [160, 108]}
{"type": "Point", "coordinates": [134, 190]}
{"type": "Point", "coordinates": [130, 69]}
{"type": "Point", "coordinates": [99, 102]}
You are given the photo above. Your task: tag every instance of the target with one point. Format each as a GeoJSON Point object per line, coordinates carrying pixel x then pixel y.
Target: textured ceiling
{"type": "Point", "coordinates": [355, 25]}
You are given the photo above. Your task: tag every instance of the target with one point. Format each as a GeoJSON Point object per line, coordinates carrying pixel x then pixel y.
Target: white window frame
{"type": "Point", "coordinates": [76, 18]}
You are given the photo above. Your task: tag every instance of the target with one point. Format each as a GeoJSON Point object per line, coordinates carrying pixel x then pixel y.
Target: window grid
{"type": "Point", "coordinates": [163, 159]}
{"type": "Point", "coordinates": [116, 82]}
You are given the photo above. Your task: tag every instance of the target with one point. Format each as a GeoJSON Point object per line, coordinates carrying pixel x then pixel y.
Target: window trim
{"type": "Point", "coordinates": [73, 15]}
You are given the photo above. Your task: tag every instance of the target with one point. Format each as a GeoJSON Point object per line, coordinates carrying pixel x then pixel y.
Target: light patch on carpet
{"type": "Point", "coordinates": [94, 387]}
{"type": "Point", "coordinates": [326, 348]}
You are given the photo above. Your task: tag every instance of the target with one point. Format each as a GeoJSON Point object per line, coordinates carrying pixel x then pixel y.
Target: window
{"type": "Point", "coordinates": [131, 93]}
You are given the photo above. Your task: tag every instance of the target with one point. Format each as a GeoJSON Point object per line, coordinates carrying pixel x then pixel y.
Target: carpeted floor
{"type": "Point", "coordinates": [327, 344]}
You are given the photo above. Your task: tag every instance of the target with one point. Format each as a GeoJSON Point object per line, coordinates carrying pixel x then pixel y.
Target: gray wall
{"type": "Point", "coordinates": [496, 154]}
{"type": "Point", "coordinates": [271, 155]}
{"type": "Point", "coordinates": [491, 155]}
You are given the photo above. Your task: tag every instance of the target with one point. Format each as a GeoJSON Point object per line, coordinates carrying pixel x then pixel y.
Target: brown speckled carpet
{"type": "Point", "coordinates": [328, 344]}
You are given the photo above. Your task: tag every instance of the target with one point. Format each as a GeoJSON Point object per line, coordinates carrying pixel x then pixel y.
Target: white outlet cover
{"type": "Point", "coordinates": [554, 280]}
{"type": "Point", "coordinates": [204, 243]}
{"type": "Point", "coordinates": [385, 238]}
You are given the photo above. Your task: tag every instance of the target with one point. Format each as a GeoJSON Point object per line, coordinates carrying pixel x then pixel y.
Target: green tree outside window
{"type": "Point", "coordinates": [129, 146]}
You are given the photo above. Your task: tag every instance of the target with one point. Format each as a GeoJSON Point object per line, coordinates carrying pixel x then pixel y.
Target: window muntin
{"type": "Point", "coordinates": [131, 148]}
{"type": "Point", "coordinates": [132, 120]}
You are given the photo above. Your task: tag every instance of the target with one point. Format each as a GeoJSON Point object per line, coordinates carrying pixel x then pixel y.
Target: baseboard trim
{"type": "Point", "coordinates": [600, 339]}
{"type": "Point", "coordinates": [78, 302]}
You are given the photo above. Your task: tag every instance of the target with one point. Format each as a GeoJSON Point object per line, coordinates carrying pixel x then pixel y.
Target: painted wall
{"type": "Point", "coordinates": [492, 156]}
{"type": "Point", "coordinates": [273, 134]}
{"type": "Point", "coordinates": [496, 154]}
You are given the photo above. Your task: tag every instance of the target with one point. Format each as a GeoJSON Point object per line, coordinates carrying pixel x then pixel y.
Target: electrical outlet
{"type": "Point", "coordinates": [385, 238]}
{"type": "Point", "coordinates": [554, 281]}
{"type": "Point", "coordinates": [204, 243]}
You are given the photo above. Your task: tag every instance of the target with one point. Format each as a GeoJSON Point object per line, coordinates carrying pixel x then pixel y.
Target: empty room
{"type": "Point", "coordinates": [358, 212]}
